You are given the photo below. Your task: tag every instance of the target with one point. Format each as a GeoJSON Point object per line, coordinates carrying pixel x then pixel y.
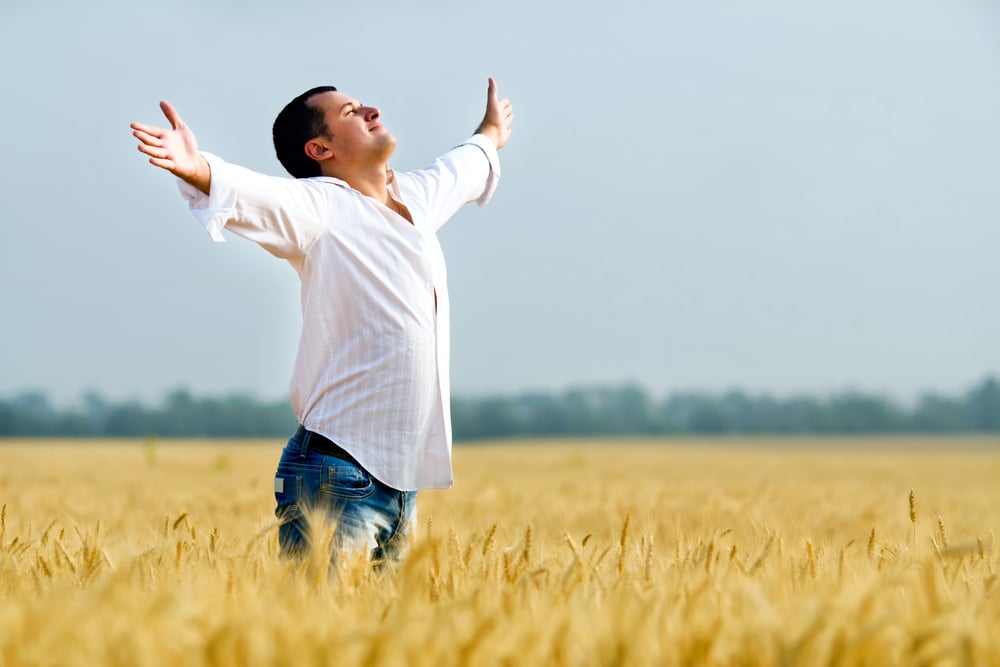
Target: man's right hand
{"type": "Point", "coordinates": [174, 150]}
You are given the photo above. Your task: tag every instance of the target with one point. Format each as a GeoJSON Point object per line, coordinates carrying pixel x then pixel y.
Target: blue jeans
{"type": "Point", "coordinates": [317, 493]}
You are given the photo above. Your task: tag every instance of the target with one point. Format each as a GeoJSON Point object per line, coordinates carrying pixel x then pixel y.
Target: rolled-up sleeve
{"type": "Point", "coordinates": [212, 210]}
{"type": "Point", "coordinates": [490, 151]}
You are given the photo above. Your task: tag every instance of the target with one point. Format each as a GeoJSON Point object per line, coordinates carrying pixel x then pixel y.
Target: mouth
{"type": "Point", "coordinates": [376, 126]}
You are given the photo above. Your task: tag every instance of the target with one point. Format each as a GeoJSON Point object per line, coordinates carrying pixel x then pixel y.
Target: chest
{"type": "Point", "coordinates": [372, 239]}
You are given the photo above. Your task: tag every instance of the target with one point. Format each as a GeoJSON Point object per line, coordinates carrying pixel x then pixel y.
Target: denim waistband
{"type": "Point", "coordinates": [310, 440]}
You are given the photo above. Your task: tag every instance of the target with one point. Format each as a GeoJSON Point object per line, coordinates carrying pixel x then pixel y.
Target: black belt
{"type": "Point", "coordinates": [323, 445]}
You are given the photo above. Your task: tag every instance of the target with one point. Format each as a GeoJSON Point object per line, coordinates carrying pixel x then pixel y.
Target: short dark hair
{"type": "Point", "coordinates": [297, 123]}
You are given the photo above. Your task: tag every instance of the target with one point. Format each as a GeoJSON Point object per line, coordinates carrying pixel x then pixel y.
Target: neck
{"type": "Point", "coordinates": [371, 181]}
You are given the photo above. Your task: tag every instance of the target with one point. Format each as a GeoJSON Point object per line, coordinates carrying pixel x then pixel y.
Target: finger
{"type": "Point", "coordinates": [171, 113]}
{"type": "Point", "coordinates": [163, 164]}
{"type": "Point", "coordinates": [148, 129]}
{"type": "Point", "coordinates": [154, 151]}
{"type": "Point", "coordinates": [491, 91]}
{"type": "Point", "coordinates": [147, 138]}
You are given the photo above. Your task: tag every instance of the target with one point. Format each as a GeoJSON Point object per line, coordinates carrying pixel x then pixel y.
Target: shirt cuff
{"type": "Point", "coordinates": [484, 143]}
{"type": "Point", "coordinates": [214, 209]}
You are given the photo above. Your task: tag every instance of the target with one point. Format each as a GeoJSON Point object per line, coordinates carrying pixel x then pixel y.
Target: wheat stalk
{"type": "Point", "coordinates": [490, 537]}
{"type": "Point", "coordinates": [942, 533]}
{"type": "Point", "coordinates": [623, 544]}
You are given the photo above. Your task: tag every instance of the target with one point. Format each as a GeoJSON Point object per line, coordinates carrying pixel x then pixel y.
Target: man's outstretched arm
{"type": "Point", "coordinates": [175, 149]}
{"type": "Point", "coordinates": [499, 115]}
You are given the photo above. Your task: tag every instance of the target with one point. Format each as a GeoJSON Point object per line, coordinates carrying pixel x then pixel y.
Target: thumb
{"type": "Point", "coordinates": [491, 91]}
{"type": "Point", "coordinates": [171, 113]}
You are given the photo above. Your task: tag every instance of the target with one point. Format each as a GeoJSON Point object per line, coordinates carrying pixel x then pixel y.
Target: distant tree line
{"type": "Point", "coordinates": [180, 414]}
{"type": "Point", "coordinates": [621, 410]}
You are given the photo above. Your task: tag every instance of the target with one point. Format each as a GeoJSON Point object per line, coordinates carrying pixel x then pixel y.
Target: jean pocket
{"type": "Point", "coordinates": [347, 480]}
{"type": "Point", "coordinates": [294, 485]}
{"type": "Point", "coordinates": [287, 495]}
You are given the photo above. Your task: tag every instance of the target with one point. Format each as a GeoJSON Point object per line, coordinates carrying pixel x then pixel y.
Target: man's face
{"type": "Point", "coordinates": [355, 134]}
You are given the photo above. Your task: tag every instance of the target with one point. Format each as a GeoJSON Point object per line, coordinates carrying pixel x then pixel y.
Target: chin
{"type": "Point", "coordinates": [386, 144]}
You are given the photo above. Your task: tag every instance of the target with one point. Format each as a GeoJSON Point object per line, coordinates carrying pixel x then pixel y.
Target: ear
{"type": "Point", "coordinates": [318, 149]}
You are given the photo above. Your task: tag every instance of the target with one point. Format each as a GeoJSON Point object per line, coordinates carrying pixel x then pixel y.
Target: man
{"type": "Point", "coordinates": [370, 387]}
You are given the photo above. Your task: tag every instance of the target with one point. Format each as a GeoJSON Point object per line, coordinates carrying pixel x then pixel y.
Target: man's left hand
{"type": "Point", "coordinates": [499, 115]}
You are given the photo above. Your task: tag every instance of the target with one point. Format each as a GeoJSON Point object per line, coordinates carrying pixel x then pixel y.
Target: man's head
{"type": "Point", "coordinates": [323, 131]}
{"type": "Point", "coordinates": [297, 123]}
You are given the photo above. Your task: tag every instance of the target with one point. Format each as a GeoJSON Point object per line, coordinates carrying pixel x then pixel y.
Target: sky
{"type": "Point", "coordinates": [775, 196]}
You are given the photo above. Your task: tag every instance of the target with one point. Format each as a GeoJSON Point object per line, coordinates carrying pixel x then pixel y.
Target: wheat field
{"type": "Point", "coordinates": [873, 552]}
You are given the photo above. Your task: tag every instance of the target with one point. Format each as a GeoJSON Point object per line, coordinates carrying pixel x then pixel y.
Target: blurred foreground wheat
{"type": "Point", "coordinates": [835, 552]}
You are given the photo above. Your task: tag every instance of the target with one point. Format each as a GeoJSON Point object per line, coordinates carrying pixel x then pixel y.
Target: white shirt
{"type": "Point", "coordinates": [372, 369]}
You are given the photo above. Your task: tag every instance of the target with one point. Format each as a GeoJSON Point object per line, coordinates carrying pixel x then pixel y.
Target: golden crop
{"type": "Point", "coordinates": [699, 552]}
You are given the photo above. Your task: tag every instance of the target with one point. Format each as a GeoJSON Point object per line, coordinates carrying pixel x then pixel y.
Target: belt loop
{"type": "Point", "coordinates": [304, 446]}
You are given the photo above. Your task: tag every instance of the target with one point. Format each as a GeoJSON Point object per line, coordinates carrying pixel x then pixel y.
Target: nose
{"type": "Point", "coordinates": [371, 113]}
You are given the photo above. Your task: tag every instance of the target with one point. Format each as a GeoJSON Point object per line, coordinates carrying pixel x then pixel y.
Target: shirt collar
{"type": "Point", "coordinates": [390, 179]}
{"type": "Point", "coordinates": [330, 179]}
